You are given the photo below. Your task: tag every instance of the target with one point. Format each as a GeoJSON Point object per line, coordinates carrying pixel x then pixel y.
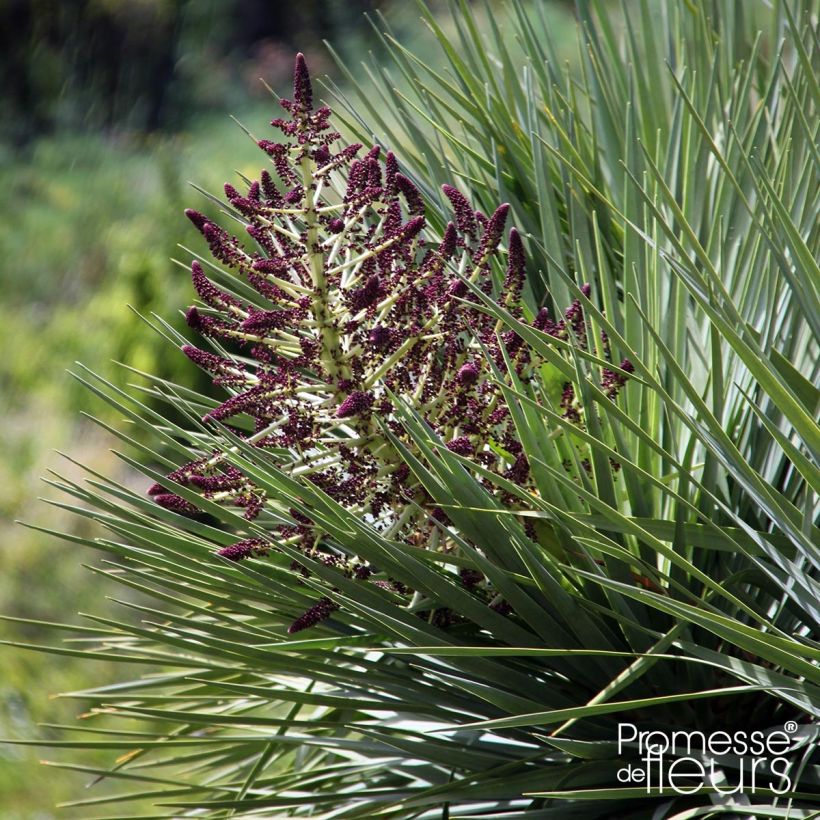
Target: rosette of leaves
{"type": "Point", "coordinates": [657, 564]}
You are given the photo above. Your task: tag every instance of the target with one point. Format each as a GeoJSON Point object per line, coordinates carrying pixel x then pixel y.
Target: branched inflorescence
{"type": "Point", "coordinates": [354, 306]}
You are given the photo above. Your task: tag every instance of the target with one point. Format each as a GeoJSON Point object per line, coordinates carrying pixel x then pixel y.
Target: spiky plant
{"type": "Point", "coordinates": [520, 522]}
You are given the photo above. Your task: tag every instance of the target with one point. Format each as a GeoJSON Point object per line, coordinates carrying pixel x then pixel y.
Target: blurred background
{"type": "Point", "coordinates": [108, 108]}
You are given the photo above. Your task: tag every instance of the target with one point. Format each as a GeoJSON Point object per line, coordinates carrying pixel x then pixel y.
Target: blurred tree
{"type": "Point", "coordinates": [146, 64]}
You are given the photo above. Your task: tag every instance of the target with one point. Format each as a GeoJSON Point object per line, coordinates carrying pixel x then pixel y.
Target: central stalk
{"type": "Point", "coordinates": [331, 352]}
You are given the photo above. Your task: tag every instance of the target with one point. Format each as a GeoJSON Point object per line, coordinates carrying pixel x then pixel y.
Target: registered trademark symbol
{"type": "Point", "coordinates": [790, 726]}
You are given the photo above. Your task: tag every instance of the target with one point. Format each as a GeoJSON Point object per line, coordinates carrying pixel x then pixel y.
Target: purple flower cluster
{"type": "Point", "coordinates": [353, 305]}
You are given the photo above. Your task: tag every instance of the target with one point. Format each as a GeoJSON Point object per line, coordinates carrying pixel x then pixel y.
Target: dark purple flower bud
{"type": "Point", "coordinates": [302, 90]}
{"type": "Point", "coordinates": [227, 370]}
{"type": "Point", "coordinates": [380, 337]}
{"type": "Point", "coordinates": [207, 291]}
{"type": "Point", "coordinates": [294, 195]}
{"type": "Point", "coordinates": [175, 503]}
{"type": "Point", "coordinates": [412, 228]}
{"type": "Point", "coordinates": [458, 288]}
{"type": "Point", "coordinates": [218, 482]}
{"type": "Point", "coordinates": [391, 168]}
{"type": "Point", "coordinates": [574, 318]}
{"type": "Point", "coordinates": [501, 607]}
{"type": "Point", "coordinates": [336, 225]}
{"type": "Point", "coordinates": [356, 404]}
{"type": "Point", "coordinates": [271, 148]}
{"type": "Point", "coordinates": [520, 470]}
{"type": "Point", "coordinates": [361, 572]}
{"type": "Point", "coordinates": [316, 614]}
{"type": "Point", "coordinates": [467, 374]}
{"type": "Point", "coordinates": [586, 289]}
{"type": "Point", "coordinates": [471, 578]}
{"type": "Point", "coordinates": [277, 151]}
{"type": "Point", "coordinates": [200, 220]}
{"type": "Point", "coordinates": [193, 318]}
{"type": "Point", "coordinates": [273, 266]}
{"type": "Point", "coordinates": [415, 204]}
{"type": "Point", "coordinates": [261, 321]}
{"type": "Point", "coordinates": [612, 382]}
{"type": "Point", "coordinates": [348, 152]}
{"type": "Point", "coordinates": [269, 188]}
{"type": "Point", "coordinates": [544, 323]}
{"type": "Point", "coordinates": [516, 262]}
{"type": "Point", "coordinates": [465, 218]}
{"type": "Point", "coordinates": [245, 549]}
{"type": "Point", "coordinates": [439, 515]}
{"type": "Point", "coordinates": [321, 156]}
{"type": "Point", "coordinates": [369, 294]}
{"type": "Point", "coordinates": [374, 172]}
{"type": "Point", "coordinates": [461, 446]}
{"type": "Point", "coordinates": [448, 242]}
{"type": "Point", "coordinates": [492, 232]}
